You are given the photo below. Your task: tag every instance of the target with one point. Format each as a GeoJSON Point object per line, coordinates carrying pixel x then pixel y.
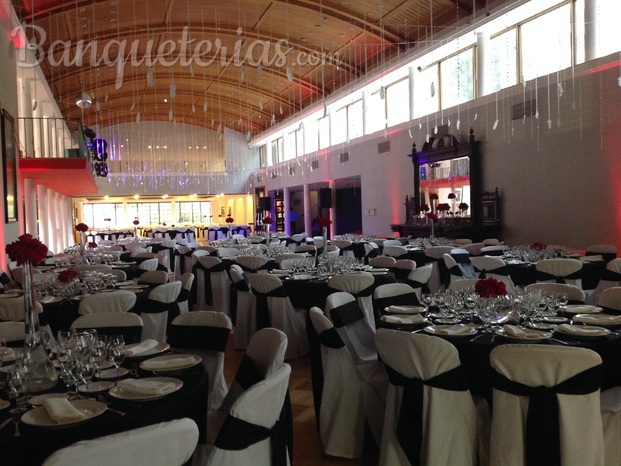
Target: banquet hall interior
{"type": "Point", "coordinates": [192, 121]}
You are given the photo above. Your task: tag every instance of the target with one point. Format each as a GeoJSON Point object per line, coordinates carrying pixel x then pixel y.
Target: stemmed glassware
{"type": "Point", "coordinates": [116, 351]}
{"type": "Point", "coordinates": [99, 353]}
{"type": "Point", "coordinates": [17, 380]}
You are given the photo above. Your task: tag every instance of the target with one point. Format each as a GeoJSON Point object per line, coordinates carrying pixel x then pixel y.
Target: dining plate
{"type": "Point", "coordinates": [541, 326]}
{"type": "Point", "coordinates": [160, 348]}
{"type": "Point", "coordinates": [125, 283]}
{"type": "Point", "coordinates": [554, 320]}
{"type": "Point", "coordinates": [111, 374]}
{"type": "Point", "coordinates": [39, 417]}
{"type": "Point", "coordinates": [186, 361]}
{"type": "Point", "coordinates": [403, 309]}
{"type": "Point", "coordinates": [38, 400]}
{"type": "Point", "coordinates": [4, 404]}
{"type": "Point", "coordinates": [92, 388]}
{"type": "Point", "coordinates": [601, 320]}
{"type": "Point", "coordinates": [580, 309]}
{"type": "Point", "coordinates": [530, 335]}
{"type": "Point", "coordinates": [133, 287]}
{"type": "Point", "coordinates": [582, 332]}
{"type": "Point", "coordinates": [403, 319]}
{"type": "Point", "coordinates": [119, 393]}
{"type": "Point", "coordinates": [452, 331]}
{"type": "Point", "coordinates": [301, 277]}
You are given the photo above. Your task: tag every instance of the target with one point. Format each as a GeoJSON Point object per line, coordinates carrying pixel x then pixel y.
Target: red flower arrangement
{"type": "Point", "coordinates": [452, 196]}
{"type": "Point", "coordinates": [433, 197]}
{"type": "Point", "coordinates": [230, 220]}
{"type": "Point", "coordinates": [266, 220]}
{"type": "Point", "coordinates": [424, 208]}
{"type": "Point", "coordinates": [324, 222]}
{"type": "Point", "coordinates": [136, 222]}
{"type": "Point", "coordinates": [81, 227]}
{"type": "Point", "coordinates": [358, 232]}
{"type": "Point", "coordinates": [463, 206]}
{"type": "Point", "coordinates": [107, 219]}
{"type": "Point", "coordinates": [26, 249]}
{"type": "Point", "coordinates": [443, 207]}
{"type": "Point", "coordinates": [539, 246]}
{"type": "Point", "coordinates": [92, 244]}
{"type": "Point", "coordinates": [490, 288]}
{"type": "Point", "coordinates": [431, 216]}
{"type": "Point", "coordinates": [67, 276]}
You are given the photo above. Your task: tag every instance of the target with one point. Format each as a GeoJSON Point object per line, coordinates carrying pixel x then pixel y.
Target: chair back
{"type": "Point", "coordinates": [13, 332]}
{"type": "Point", "coordinates": [253, 264]}
{"type": "Point", "coordinates": [395, 251]}
{"type": "Point", "coordinates": [153, 277]}
{"type": "Point", "coordinates": [360, 286]}
{"type": "Point", "coordinates": [382, 261]}
{"type": "Point", "coordinates": [574, 294]}
{"type": "Point", "coordinates": [212, 285]}
{"type": "Point", "coordinates": [419, 280]}
{"type": "Point", "coordinates": [391, 294]}
{"type": "Point", "coordinates": [474, 248]}
{"type": "Point", "coordinates": [611, 277]}
{"type": "Point", "coordinates": [127, 324]}
{"type": "Point", "coordinates": [308, 248]}
{"type": "Point", "coordinates": [227, 252]}
{"type": "Point", "coordinates": [494, 250]}
{"type": "Point", "coordinates": [610, 299]}
{"type": "Point", "coordinates": [149, 264]}
{"type": "Point", "coordinates": [169, 443]}
{"type": "Point", "coordinates": [115, 301]}
{"type": "Point", "coordinates": [607, 251]}
{"type": "Point", "coordinates": [463, 284]}
{"type": "Point", "coordinates": [560, 270]}
{"type": "Point", "coordinates": [439, 274]}
{"type": "Point", "coordinates": [392, 242]}
{"type": "Point", "coordinates": [546, 406]}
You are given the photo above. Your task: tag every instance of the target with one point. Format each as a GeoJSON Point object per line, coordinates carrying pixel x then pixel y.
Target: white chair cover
{"type": "Point", "coordinates": [243, 310]}
{"type": "Point", "coordinates": [18, 272]}
{"type": "Point", "coordinates": [204, 333]}
{"type": "Point", "coordinates": [12, 309]}
{"type": "Point", "coordinates": [220, 285]}
{"type": "Point", "coordinates": [307, 248]}
{"type": "Point", "coordinates": [610, 278]}
{"type": "Point", "coordinates": [608, 251]}
{"type": "Point", "coordinates": [343, 244]}
{"type": "Point", "coordinates": [436, 254]}
{"type": "Point", "coordinates": [579, 420]}
{"type": "Point", "coordinates": [393, 294]}
{"type": "Point", "coordinates": [559, 271]}
{"type": "Point", "coordinates": [252, 264]}
{"type": "Point", "coordinates": [392, 242]}
{"type": "Point", "coordinates": [115, 301]}
{"type": "Point", "coordinates": [260, 405]}
{"type": "Point", "coordinates": [611, 422]}
{"type": "Point", "coordinates": [419, 280]}
{"type": "Point", "coordinates": [165, 444]}
{"type": "Point", "coordinates": [187, 281]}
{"type": "Point", "coordinates": [463, 284]}
{"type": "Point", "coordinates": [281, 257]}
{"type": "Point", "coordinates": [462, 241]}
{"type": "Point", "coordinates": [395, 251]}
{"type": "Point", "coordinates": [492, 267]}
{"type": "Point", "coordinates": [120, 275]}
{"type": "Point", "coordinates": [449, 435]}
{"type": "Point", "coordinates": [13, 331]}
{"type": "Point", "coordinates": [155, 323]}
{"type": "Point", "coordinates": [149, 264]}
{"type": "Point", "coordinates": [491, 242]}
{"type": "Point", "coordinates": [182, 262]}
{"type": "Point", "coordinates": [359, 285]}
{"type": "Point", "coordinates": [474, 249]}
{"type": "Point", "coordinates": [227, 252]}
{"type": "Point", "coordinates": [128, 324]}
{"type": "Point", "coordinates": [341, 423]}
{"type": "Point", "coordinates": [382, 261]}
{"type": "Point", "coordinates": [610, 299]}
{"type": "Point", "coordinates": [282, 314]}
{"type": "Point", "coordinates": [153, 277]}
{"type": "Point", "coordinates": [574, 294]}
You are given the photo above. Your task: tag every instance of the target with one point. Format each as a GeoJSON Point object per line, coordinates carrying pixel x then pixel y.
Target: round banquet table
{"type": "Point", "coordinates": [37, 443]}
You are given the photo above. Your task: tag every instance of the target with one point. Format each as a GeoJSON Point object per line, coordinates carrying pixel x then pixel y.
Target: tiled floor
{"type": "Point", "coordinates": [307, 448]}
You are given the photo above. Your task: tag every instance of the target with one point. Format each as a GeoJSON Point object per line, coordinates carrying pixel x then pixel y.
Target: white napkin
{"type": "Point", "coordinates": [582, 330]}
{"type": "Point", "coordinates": [140, 348]}
{"type": "Point", "coordinates": [457, 329]}
{"type": "Point", "coordinates": [602, 319]}
{"type": "Point", "coordinates": [47, 299]}
{"type": "Point", "coordinates": [397, 319]}
{"type": "Point", "coordinates": [169, 363]}
{"type": "Point", "coordinates": [146, 387]}
{"type": "Point", "coordinates": [517, 332]}
{"type": "Point", "coordinates": [403, 309]}
{"type": "Point", "coordinates": [593, 258]}
{"type": "Point", "coordinates": [579, 308]}
{"type": "Point", "coordinates": [61, 410]}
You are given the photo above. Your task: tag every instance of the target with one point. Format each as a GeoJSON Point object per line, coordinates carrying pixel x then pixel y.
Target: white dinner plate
{"type": "Point", "coordinates": [466, 331]}
{"type": "Point", "coordinates": [133, 287]}
{"type": "Point", "coordinates": [583, 336]}
{"type": "Point", "coordinates": [111, 374]}
{"type": "Point", "coordinates": [580, 309]}
{"type": "Point", "coordinates": [39, 417]}
{"type": "Point", "coordinates": [601, 320]}
{"type": "Point", "coordinates": [96, 387]}
{"type": "Point", "coordinates": [38, 400]}
{"type": "Point", "coordinates": [121, 394]}
{"type": "Point", "coordinates": [403, 309]}
{"type": "Point", "coordinates": [125, 283]}
{"type": "Point", "coordinates": [403, 319]}
{"type": "Point", "coordinates": [555, 320]}
{"type": "Point", "coordinates": [147, 364]}
{"type": "Point", "coordinates": [160, 348]}
{"type": "Point", "coordinates": [301, 277]}
{"type": "Point", "coordinates": [4, 404]}
{"type": "Point", "coordinates": [530, 335]}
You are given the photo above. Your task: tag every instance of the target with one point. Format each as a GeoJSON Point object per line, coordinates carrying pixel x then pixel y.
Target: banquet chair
{"type": "Point", "coordinates": [402, 269]}
{"type": "Point", "coordinates": [392, 294]}
{"type": "Point", "coordinates": [205, 333]}
{"type": "Point", "coordinates": [464, 284]}
{"type": "Point", "coordinates": [153, 278]}
{"type": "Point", "coordinates": [318, 242]}
{"type": "Point", "coordinates": [341, 404]}
{"type": "Point", "coordinates": [560, 271]}
{"type": "Point", "coordinates": [607, 251]}
{"type": "Point", "coordinates": [431, 417]}
{"type": "Point", "coordinates": [212, 285]}
{"type": "Point", "coordinates": [281, 257]}
{"type": "Point", "coordinates": [242, 301]}
{"type": "Point", "coordinates": [289, 264]}
{"type": "Point", "coordinates": [492, 242]}
{"type": "Point", "coordinates": [211, 250]}
{"type": "Point", "coordinates": [131, 247]}
{"type": "Point", "coordinates": [574, 294]}
{"type": "Point", "coordinates": [237, 236]}
{"type": "Point", "coordinates": [392, 242]}
{"type": "Point", "coordinates": [335, 251]}
{"type": "Point", "coordinates": [135, 250]}
{"type": "Point", "coordinates": [253, 264]}
{"type": "Point", "coordinates": [474, 248]}
{"type": "Point", "coordinates": [494, 250]}
{"type": "Point", "coordinates": [546, 406]}
{"type": "Point", "coordinates": [419, 280]}
{"type": "Point", "coordinates": [610, 277]}
{"type": "Point", "coordinates": [17, 274]}
{"type": "Point", "coordinates": [264, 410]}
{"type": "Point", "coordinates": [272, 308]}
{"type": "Point", "coordinates": [182, 260]}
{"type": "Point", "coordinates": [120, 275]}
{"type": "Point", "coordinates": [382, 262]}
{"type": "Point", "coordinates": [148, 264]}
{"type": "Point", "coordinates": [345, 246]}
{"type": "Point", "coordinates": [227, 252]}
{"type": "Point", "coordinates": [159, 309]}
{"type": "Point", "coordinates": [492, 267]}
{"type": "Point", "coordinates": [307, 248]}
{"type": "Point", "coordinates": [610, 300]}
{"type": "Point", "coordinates": [14, 333]}
{"type": "Point", "coordinates": [115, 301]}
{"type": "Point", "coordinates": [454, 271]}
{"type": "Point", "coordinates": [435, 256]}
{"type": "Point", "coordinates": [371, 250]}
{"type": "Point", "coordinates": [169, 443]}
{"type": "Point", "coordinates": [183, 300]}
{"type": "Point", "coordinates": [358, 285]}
{"type": "Point", "coordinates": [127, 324]}
{"type": "Point", "coordinates": [462, 241]}
{"type": "Point", "coordinates": [395, 251]}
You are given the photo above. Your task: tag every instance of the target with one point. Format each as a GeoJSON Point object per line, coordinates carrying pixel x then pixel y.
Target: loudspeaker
{"type": "Point", "coordinates": [325, 198]}
{"type": "Point", "coordinates": [265, 203]}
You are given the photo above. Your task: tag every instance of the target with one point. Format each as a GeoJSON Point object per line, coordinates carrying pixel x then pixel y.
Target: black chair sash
{"type": "Point", "coordinates": [410, 431]}
{"type": "Point", "coordinates": [4, 279]}
{"type": "Point", "coordinates": [407, 299]}
{"type": "Point", "coordinates": [372, 253]}
{"type": "Point", "coordinates": [361, 294]}
{"type": "Point", "coordinates": [207, 271]}
{"type": "Point", "coordinates": [199, 337]}
{"type": "Point", "coordinates": [461, 258]}
{"type": "Point", "coordinates": [424, 287]}
{"type": "Point", "coordinates": [267, 266]}
{"type": "Point", "coordinates": [498, 271]}
{"type": "Point", "coordinates": [542, 422]}
{"type": "Point", "coordinates": [400, 274]}
{"type": "Point", "coordinates": [331, 339]}
{"type": "Point", "coordinates": [182, 257]}
{"type": "Point", "coordinates": [151, 306]}
{"type": "Point", "coordinates": [237, 287]}
{"type": "Point", "coordinates": [346, 314]}
{"type": "Point", "coordinates": [544, 276]}
{"type": "Point", "coordinates": [184, 295]}
{"type": "Point", "coordinates": [263, 312]}
{"type": "Point", "coordinates": [610, 275]}
{"type": "Point", "coordinates": [456, 270]}
{"type": "Point", "coordinates": [442, 269]}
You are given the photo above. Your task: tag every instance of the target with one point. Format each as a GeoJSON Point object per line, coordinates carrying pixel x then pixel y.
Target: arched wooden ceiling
{"type": "Point", "coordinates": [248, 97]}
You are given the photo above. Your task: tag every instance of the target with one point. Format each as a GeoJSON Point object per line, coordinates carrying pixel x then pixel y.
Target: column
{"type": "Point", "coordinates": [365, 115]}
{"type": "Point", "coordinates": [37, 131]}
{"type": "Point", "coordinates": [332, 186]}
{"type": "Point", "coordinates": [308, 227]}
{"type": "Point", "coordinates": [480, 74]}
{"type": "Point", "coordinates": [45, 144]}
{"type": "Point", "coordinates": [58, 222]}
{"type": "Point", "coordinates": [51, 225]}
{"type": "Point", "coordinates": [590, 29]}
{"type": "Point", "coordinates": [67, 227]}
{"type": "Point", "coordinates": [30, 206]}
{"type": "Point", "coordinates": [411, 89]}
{"type": "Point", "coordinates": [286, 205]}
{"type": "Point", "coordinates": [44, 231]}
{"type": "Point", "coordinates": [25, 111]}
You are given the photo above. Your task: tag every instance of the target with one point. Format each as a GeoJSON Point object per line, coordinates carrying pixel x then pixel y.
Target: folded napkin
{"type": "Point", "coordinates": [582, 330]}
{"type": "Point", "coordinates": [602, 319]}
{"type": "Point", "coordinates": [47, 299]}
{"type": "Point", "coordinates": [169, 363]}
{"type": "Point", "coordinates": [397, 319]}
{"type": "Point", "coordinates": [593, 258]}
{"type": "Point", "coordinates": [62, 411]}
{"type": "Point", "coordinates": [404, 309]}
{"type": "Point", "coordinates": [579, 309]}
{"type": "Point", "coordinates": [517, 332]}
{"type": "Point", "coordinates": [141, 348]}
{"type": "Point", "coordinates": [146, 387]}
{"type": "Point", "coordinates": [457, 329]}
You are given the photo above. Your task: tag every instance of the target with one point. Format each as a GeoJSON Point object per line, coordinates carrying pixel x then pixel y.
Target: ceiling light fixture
{"type": "Point", "coordinates": [83, 100]}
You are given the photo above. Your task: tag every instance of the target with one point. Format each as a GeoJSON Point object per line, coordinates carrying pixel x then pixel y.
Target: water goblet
{"type": "Point", "coordinates": [16, 381]}
{"type": "Point", "coordinates": [562, 299]}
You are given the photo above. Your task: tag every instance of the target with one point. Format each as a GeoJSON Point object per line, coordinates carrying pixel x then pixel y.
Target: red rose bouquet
{"type": "Point", "coordinates": [92, 244]}
{"type": "Point", "coordinates": [424, 208]}
{"type": "Point", "coordinates": [27, 249]}
{"type": "Point", "coordinates": [324, 222]}
{"type": "Point", "coordinates": [67, 276]}
{"type": "Point", "coordinates": [490, 288]}
{"type": "Point", "coordinates": [443, 207]}
{"type": "Point", "coordinates": [358, 232]}
{"type": "Point", "coordinates": [431, 216]}
{"type": "Point", "coordinates": [81, 227]}
{"type": "Point", "coordinates": [230, 220]}
{"type": "Point", "coordinates": [463, 206]}
{"type": "Point", "coordinates": [538, 246]}
{"type": "Point", "coordinates": [136, 222]}
{"type": "Point", "coordinates": [452, 196]}
{"type": "Point", "coordinates": [266, 221]}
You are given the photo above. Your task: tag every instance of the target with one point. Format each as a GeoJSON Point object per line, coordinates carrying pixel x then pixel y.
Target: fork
{"type": "Point", "coordinates": [103, 400]}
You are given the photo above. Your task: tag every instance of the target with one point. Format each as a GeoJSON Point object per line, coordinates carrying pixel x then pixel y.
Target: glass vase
{"type": "Point", "coordinates": [324, 233]}
{"type": "Point", "coordinates": [42, 373]}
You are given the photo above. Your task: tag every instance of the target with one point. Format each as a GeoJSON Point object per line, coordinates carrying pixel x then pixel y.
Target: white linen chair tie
{"type": "Point", "coordinates": [159, 310]}
{"type": "Point", "coordinates": [546, 406]}
{"type": "Point", "coordinates": [115, 301]}
{"type": "Point", "coordinates": [127, 324]}
{"type": "Point", "coordinates": [212, 285]}
{"type": "Point", "coordinates": [560, 271]}
{"type": "Point", "coordinates": [361, 287]}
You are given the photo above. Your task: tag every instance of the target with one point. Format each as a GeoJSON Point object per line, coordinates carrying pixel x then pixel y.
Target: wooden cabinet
{"type": "Point", "coordinates": [279, 212]}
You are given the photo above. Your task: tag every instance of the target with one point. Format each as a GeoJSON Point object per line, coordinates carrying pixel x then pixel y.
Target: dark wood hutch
{"type": "Point", "coordinates": [484, 219]}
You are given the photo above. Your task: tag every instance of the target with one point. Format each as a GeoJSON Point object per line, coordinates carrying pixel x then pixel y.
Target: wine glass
{"type": "Point", "coordinates": [117, 356]}
{"type": "Point", "coordinates": [427, 299]}
{"type": "Point", "coordinates": [99, 353]}
{"type": "Point", "coordinates": [16, 380]}
{"type": "Point", "coordinates": [562, 299]}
